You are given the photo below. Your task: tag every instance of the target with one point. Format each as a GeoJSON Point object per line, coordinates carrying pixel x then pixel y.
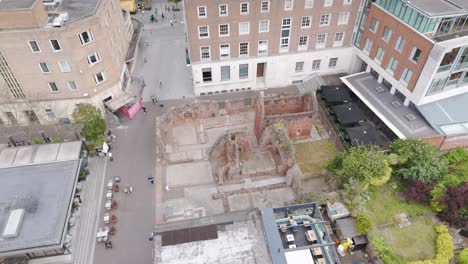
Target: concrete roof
{"type": "Point", "coordinates": [78, 9]}
{"type": "Point", "coordinates": [16, 4]}
{"type": "Point", "coordinates": [37, 154]}
{"type": "Point", "coordinates": [45, 192]}
{"type": "Point", "coordinates": [451, 110]}
{"type": "Point", "coordinates": [366, 87]}
{"type": "Point", "coordinates": [440, 7]}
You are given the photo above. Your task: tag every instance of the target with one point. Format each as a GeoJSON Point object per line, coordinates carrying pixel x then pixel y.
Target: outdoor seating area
{"type": "Point", "coordinates": [350, 120]}
{"type": "Point", "coordinates": [302, 232]}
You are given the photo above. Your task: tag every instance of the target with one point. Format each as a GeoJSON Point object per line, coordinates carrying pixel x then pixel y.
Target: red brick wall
{"type": "Point", "coordinates": [299, 126]}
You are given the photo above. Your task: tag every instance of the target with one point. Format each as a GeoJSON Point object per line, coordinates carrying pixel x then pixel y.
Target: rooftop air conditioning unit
{"type": "Point", "coordinates": [51, 2]}
{"type": "Point", "coordinates": [64, 16]}
{"type": "Point", "coordinates": [58, 22]}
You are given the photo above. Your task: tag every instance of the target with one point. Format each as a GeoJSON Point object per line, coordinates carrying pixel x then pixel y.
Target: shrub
{"type": "Point", "coordinates": [453, 179]}
{"type": "Point", "coordinates": [463, 257]}
{"type": "Point", "coordinates": [363, 224]}
{"type": "Point", "coordinates": [57, 140]}
{"type": "Point", "coordinates": [443, 247]}
{"type": "Point", "coordinates": [418, 160]}
{"type": "Point", "coordinates": [456, 155]}
{"type": "Point", "coordinates": [354, 195]}
{"type": "Point", "coordinates": [37, 141]}
{"type": "Point", "coordinates": [456, 201]}
{"type": "Point", "coordinates": [384, 251]}
{"type": "Point", "coordinates": [436, 193]}
{"type": "Point", "coordinates": [418, 191]}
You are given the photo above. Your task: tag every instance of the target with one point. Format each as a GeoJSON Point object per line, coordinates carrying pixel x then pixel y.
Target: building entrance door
{"type": "Point", "coordinates": [260, 69]}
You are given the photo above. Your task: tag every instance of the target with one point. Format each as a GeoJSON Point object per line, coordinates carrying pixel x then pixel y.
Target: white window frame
{"type": "Point", "coordinates": [95, 54]}
{"type": "Point", "coordinates": [307, 20]}
{"type": "Point", "coordinates": [338, 43]}
{"type": "Point", "coordinates": [391, 62]}
{"type": "Point", "coordinates": [285, 41]}
{"type": "Point", "coordinates": [413, 52]}
{"type": "Point", "coordinates": [367, 46]}
{"type": "Point", "coordinates": [328, 20]}
{"type": "Point", "coordinates": [211, 75]}
{"type": "Point", "coordinates": [376, 57]}
{"type": "Point", "coordinates": [58, 42]}
{"type": "Point", "coordinates": [404, 76]}
{"type": "Point", "coordinates": [262, 52]}
{"type": "Point", "coordinates": [248, 28]}
{"type": "Point", "coordinates": [341, 20]}
{"type": "Point", "coordinates": [201, 53]}
{"type": "Point", "coordinates": [219, 28]}
{"type": "Point", "coordinates": [314, 64]}
{"type": "Point", "coordinates": [104, 78]}
{"type": "Point", "coordinates": [70, 87]}
{"type": "Point", "coordinates": [299, 67]}
{"type": "Point", "coordinates": [37, 44]}
{"type": "Point", "coordinates": [330, 62]}
{"type": "Point", "coordinates": [268, 6]}
{"type": "Point", "coordinates": [207, 32]}
{"type": "Point", "coordinates": [389, 36]}
{"type": "Point", "coordinates": [327, 3]}
{"type": "Point", "coordinates": [221, 73]}
{"type": "Point", "coordinates": [221, 53]}
{"type": "Point", "coordinates": [260, 26]}
{"type": "Point", "coordinates": [347, 2]}
{"type": "Point", "coordinates": [248, 8]}
{"type": "Point", "coordinates": [305, 45]}
{"type": "Point", "coordinates": [319, 45]}
{"type": "Point", "coordinates": [376, 25]}
{"type": "Point", "coordinates": [400, 42]}
{"type": "Point", "coordinates": [240, 48]}
{"type": "Point", "coordinates": [90, 35]}
{"type": "Point", "coordinates": [288, 4]}
{"type": "Point", "coordinates": [56, 86]}
{"type": "Point", "coordinates": [64, 68]}
{"type": "Point", "coordinates": [47, 66]}
{"type": "Point", "coordinates": [244, 77]}
{"type": "Point", "coordinates": [309, 4]}
{"type": "Point", "coordinates": [227, 10]}
{"type": "Point", "coordinates": [205, 12]}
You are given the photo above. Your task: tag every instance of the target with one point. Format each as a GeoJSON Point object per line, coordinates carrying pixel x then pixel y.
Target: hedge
{"type": "Point", "coordinates": [463, 257]}
{"type": "Point", "coordinates": [443, 247]}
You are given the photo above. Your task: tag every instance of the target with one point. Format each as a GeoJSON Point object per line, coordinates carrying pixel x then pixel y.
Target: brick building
{"type": "Point", "coordinates": [247, 45]}
{"type": "Point", "coordinates": [54, 54]}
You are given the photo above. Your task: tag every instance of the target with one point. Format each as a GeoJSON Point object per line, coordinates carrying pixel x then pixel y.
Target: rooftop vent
{"type": "Point", "coordinates": [51, 2]}
{"type": "Point", "coordinates": [410, 117]}
{"type": "Point", "coordinates": [379, 89]}
{"type": "Point", "coordinates": [60, 19]}
{"type": "Point", "coordinates": [13, 223]}
{"type": "Point", "coordinates": [396, 104]}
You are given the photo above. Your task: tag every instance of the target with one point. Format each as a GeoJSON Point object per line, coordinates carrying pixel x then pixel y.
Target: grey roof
{"type": "Point", "coordinates": [36, 154]}
{"type": "Point", "coordinates": [440, 7]}
{"type": "Point", "coordinates": [275, 244]}
{"type": "Point", "coordinates": [45, 191]}
{"type": "Point", "coordinates": [16, 4]}
{"type": "Point", "coordinates": [379, 100]}
{"type": "Point", "coordinates": [451, 110]}
{"type": "Point", "coordinates": [78, 9]}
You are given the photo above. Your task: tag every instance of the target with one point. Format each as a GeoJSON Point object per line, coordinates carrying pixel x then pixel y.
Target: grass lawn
{"type": "Point", "coordinates": [310, 156]}
{"type": "Point", "coordinates": [384, 204]}
{"type": "Point", "coordinates": [415, 242]}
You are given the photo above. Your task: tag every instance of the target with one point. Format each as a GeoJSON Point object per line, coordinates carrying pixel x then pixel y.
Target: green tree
{"type": "Point", "coordinates": [90, 117]}
{"type": "Point", "coordinates": [366, 164]}
{"type": "Point", "coordinates": [418, 160]}
{"type": "Point", "coordinates": [354, 195]}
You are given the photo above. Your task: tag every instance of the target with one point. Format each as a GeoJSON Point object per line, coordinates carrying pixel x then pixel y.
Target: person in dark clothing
{"type": "Point", "coordinates": [144, 109]}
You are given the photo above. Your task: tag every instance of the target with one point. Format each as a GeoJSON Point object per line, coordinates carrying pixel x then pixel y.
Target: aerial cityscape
{"type": "Point", "coordinates": [234, 131]}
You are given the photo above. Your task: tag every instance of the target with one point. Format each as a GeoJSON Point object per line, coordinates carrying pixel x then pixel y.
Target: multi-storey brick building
{"type": "Point", "coordinates": [241, 45]}
{"type": "Point", "coordinates": [56, 53]}
{"type": "Point", "coordinates": [415, 56]}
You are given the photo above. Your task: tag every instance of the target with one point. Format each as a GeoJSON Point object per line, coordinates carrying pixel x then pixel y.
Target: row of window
{"type": "Point", "coordinates": [98, 78]}
{"type": "Point", "coordinates": [244, 8]}
{"type": "Point", "coordinates": [92, 59]}
{"type": "Point", "coordinates": [264, 25]}
{"type": "Point", "coordinates": [225, 71]}
{"type": "Point", "coordinates": [262, 47]}
{"type": "Point", "coordinates": [84, 37]}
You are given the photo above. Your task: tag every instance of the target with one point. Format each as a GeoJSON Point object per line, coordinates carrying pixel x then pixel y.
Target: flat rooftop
{"type": "Point", "coordinates": [78, 9]}
{"type": "Point", "coordinates": [16, 4]}
{"type": "Point", "coordinates": [37, 154]}
{"type": "Point", "coordinates": [43, 189]}
{"type": "Point", "coordinates": [436, 8]}
{"type": "Point", "coordinates": [405, 122]}
{"type": "Point", "coordinates": [234, 237]}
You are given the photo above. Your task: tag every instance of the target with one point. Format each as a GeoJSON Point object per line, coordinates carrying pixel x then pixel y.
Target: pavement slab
{"type": "Point", "coordinates": [192, 173]}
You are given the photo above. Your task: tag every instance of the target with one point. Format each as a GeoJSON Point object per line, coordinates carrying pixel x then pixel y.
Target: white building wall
{"type": "Point", "coordinates": [279, 70]}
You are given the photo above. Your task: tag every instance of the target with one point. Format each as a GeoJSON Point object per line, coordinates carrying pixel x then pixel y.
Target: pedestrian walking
{"type": "Point", "coordinates": [151, 180]}
{"type": "Point", "coordinates": [161, 105]}
{"type": "Point", "coordinates": [144, 109]}
{"type": "Point", "coordinates": [153, 99]}
{"type": "Point", "coordinates": [160, 84]}
{"type": "Point", "coordinates": [162, 15]}
{"type": "Point", "coordinates": [172, 24]}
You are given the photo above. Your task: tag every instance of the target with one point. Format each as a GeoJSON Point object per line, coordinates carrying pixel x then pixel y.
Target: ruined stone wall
{"type": "Point", "coordinates": [281, 104]}
{"type": "Point", "coordinates": [299, 125]}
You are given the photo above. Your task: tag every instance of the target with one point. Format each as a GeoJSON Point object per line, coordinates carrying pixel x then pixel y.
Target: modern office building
{"type": "Point", "coordinates": [247, 45]}
{"type": "Point", "coordinates": [56, 53]}
{"type": "Point", "coordinates": [415, 68]}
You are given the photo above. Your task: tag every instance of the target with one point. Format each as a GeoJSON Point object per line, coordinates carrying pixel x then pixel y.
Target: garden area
{"type": "Point", "coordinates": [311, 156]}
{"type": "Point", "coordinates": [400, 197]}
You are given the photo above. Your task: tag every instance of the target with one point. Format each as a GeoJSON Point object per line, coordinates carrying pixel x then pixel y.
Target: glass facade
{"type": "Point", "coordinates": [410, 16]}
